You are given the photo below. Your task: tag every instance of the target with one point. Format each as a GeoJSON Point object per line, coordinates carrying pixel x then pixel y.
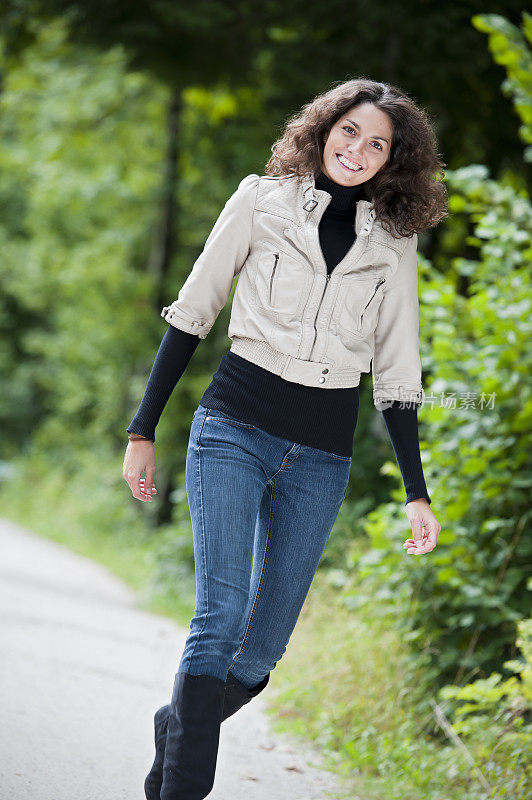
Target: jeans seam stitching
{"type": "Point", "coordinates": [284, 463]}
{"type": "Point", "coordinates": [204, 562]}
{"type": "Point", "coordinates": [201, 429]}
{"type": "Point", "coordinates": [261, 580]}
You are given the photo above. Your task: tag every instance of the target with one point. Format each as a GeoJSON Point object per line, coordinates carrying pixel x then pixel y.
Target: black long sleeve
{"type": "Point", "coordinates": [174, 353]}
{"type": "Point", "coordinates": [402, 425]}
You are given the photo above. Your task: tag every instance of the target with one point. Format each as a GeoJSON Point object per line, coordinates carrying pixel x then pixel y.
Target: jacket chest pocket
{"type": "Point", "coordinates": [280, 283]}
{"type": "Point", "coordinates": [357, 307]}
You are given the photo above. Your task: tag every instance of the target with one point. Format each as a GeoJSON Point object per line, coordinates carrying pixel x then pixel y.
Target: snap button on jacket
{"type": "Point", "coordinates": [288, 315]}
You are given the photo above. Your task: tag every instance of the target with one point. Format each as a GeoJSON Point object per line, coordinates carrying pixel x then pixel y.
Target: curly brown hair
{"type": "Point", "coordinates": [407, 193]}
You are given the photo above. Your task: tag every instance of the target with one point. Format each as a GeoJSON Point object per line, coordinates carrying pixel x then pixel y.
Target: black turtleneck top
{"type": "Point", "coordinates": [323, 418]}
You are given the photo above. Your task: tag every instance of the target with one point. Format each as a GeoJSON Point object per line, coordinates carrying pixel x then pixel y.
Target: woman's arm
{"type": "Point", "coordinates": [200, 299]}
{"type": "Point", "coordinates": [396, 364]}
{"type": "Point", "coordinates": [403, 430]}
{"type": "Point", "coordinates": [175, 351]}
{"type": "Point", "coordinates": [402, 425]}
{"type": "Point", "coordinates": [208, 286]}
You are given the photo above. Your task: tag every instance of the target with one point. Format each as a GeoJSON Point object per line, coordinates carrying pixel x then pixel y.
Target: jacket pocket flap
{"type": "Point", "coordinates": [276, 210]}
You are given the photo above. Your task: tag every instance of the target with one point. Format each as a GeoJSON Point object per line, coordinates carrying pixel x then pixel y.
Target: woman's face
{"type": "Point", "coordinates": [361, 138]}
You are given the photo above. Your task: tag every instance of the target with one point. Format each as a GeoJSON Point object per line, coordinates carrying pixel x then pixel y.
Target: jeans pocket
{"type": "Point", "coordinates": [335, 456]}
{"type": "Point", "coordinates": [214, 415]}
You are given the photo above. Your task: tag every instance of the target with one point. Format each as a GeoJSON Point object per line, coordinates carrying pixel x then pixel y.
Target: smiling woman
{"type": "Point", "coordinates": [358, 145]}
{"type": "Point", "coordinates": [324, 248]}
{"type": "Point", "coordinates": [379, 127]}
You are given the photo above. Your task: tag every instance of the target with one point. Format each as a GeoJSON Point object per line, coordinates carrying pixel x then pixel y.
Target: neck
{"type": "Point", "coordinates": [344, 198]}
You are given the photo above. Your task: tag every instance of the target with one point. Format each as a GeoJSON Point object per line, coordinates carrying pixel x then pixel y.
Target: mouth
{"type": "Point", "coordinates": [347, 164]}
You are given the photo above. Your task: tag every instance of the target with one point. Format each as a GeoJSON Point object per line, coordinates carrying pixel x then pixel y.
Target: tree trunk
{"type": "Point", "coordinates": [164, 244]}
{"type": "Point", "coordinates": [161, 258]}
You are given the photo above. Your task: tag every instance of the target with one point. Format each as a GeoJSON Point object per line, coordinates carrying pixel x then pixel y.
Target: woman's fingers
{"type": "Point", "coordinates": [419, 548]}
{"type": "Point", "coordinates": [137, 486]}
{"type": "Point", "coordinates": [433, 528]}
{"type": "Point", "coordinates": [147, 494]}
{"type": "Point", "coordinates": [425, 544]}
{"type": "Point", "coordinates": [417, 532]}
{"type": "Point", "coordinates": [149, 473]}
{"type": "Point", "coordinates": [130, 475]}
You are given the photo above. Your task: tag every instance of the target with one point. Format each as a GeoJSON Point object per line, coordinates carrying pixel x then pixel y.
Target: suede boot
{"type": "Point", "coordinates": [154, 778]}
{"type": "Point", "coordinates": [236, 695]}
{"type": "Point", "coordinates": [192, 736]}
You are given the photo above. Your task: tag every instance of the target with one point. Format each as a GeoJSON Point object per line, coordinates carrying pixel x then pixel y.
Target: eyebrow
{"type": "Point", "coordinates": [371, 137]}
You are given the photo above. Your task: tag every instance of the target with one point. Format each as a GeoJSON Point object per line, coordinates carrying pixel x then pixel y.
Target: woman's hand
{"type": "Point", "coordinates": [425, 527]}
{"type": "Point", "coordinates": [139, 458]}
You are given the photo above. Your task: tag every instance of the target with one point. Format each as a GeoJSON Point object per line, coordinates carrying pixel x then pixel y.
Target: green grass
{"type": "Point", "coordinates": [341, 685]}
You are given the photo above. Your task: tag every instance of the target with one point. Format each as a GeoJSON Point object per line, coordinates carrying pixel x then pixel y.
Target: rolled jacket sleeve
{"type": "Point", "coordinates": [207, 288]}
{"type": "Point", "coordinates": [396, 365]}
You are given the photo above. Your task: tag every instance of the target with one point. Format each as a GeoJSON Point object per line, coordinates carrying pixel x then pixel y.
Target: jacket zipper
{"type": "Point", "coordinates": [273, 275]}
{"type": "Point", "coordinates": [327, 279]}
{"type": "Point", "coordinates": [382, 280]}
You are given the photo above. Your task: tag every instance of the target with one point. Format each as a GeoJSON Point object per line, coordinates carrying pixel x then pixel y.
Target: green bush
{"type": "Point", "coordinates": [492, 724]}
{"type": "Point", "coordinates": [459, 607]}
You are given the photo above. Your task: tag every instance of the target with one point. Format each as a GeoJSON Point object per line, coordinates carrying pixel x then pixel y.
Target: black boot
{"type": "Point", "coordinates": [154, 778]}
{"type": "Point", "coordinates": [236, 695]}
{"type": "Point", "coordinates": [192, 736]}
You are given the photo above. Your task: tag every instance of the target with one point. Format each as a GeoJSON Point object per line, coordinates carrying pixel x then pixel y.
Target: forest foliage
{"type": "Point", "coordinates": [110, 179]}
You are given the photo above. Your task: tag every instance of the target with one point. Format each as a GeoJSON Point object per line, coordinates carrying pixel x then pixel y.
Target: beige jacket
{"type": "Point", "coordinates": [288, 315]}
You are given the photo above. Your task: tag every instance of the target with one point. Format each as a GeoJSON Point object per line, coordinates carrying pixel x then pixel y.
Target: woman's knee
{"type": "Point", "coordinates": [220, 621]}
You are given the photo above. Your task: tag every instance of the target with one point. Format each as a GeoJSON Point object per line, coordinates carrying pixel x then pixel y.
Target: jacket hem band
{"type": "Point", "coordinates": [323, 375]}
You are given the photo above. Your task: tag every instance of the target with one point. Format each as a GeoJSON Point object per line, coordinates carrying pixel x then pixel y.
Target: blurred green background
{"type": "Point", "coordinates": [123, 130]}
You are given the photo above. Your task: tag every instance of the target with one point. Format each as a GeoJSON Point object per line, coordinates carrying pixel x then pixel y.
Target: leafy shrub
{"type": "Point", "coordinates": [459, 607]}
{"type": "Point", "coordinates": [493, 718]}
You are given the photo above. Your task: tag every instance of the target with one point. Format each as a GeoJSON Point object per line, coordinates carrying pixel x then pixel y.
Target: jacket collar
{"type": "Point", "coordinates": [311, 198]}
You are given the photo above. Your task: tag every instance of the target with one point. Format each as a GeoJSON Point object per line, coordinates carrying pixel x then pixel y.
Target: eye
{"type": "Point", "coordinates": [350, 128]}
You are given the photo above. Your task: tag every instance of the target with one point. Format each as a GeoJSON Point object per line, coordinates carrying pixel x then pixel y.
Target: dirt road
{"type": "Point", "coordinates": [82, 671]}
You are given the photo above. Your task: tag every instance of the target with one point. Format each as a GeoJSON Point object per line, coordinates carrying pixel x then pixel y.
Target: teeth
{"type": "Point", "coordinates": [350, 164]}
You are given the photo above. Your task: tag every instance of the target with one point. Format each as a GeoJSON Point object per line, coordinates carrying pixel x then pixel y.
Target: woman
{"type": "Point", "coordinates": [324, 246]}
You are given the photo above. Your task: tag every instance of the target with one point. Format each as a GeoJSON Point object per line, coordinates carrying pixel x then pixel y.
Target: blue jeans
{"type": "Point", "coordinates": [262, 509]}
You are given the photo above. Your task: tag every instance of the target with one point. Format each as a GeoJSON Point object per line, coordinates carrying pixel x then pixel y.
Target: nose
{"type": "Point", "coordinates": [353, 148]}
{"type": "Point", "coordinates": [355, 155]}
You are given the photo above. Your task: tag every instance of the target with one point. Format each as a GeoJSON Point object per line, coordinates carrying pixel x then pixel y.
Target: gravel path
{"type": "Point", "coordinates": [82, 671]}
